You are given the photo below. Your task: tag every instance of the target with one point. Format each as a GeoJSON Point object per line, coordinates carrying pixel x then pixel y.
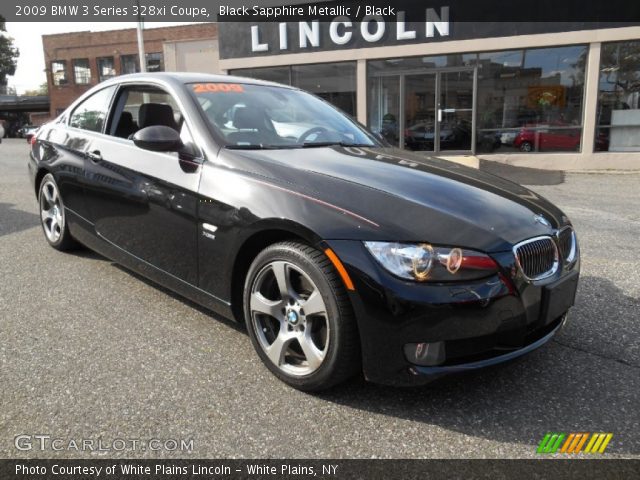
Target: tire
{"type": "Point", "coordinates": [307, 336]}
{"type": "Point", "coordinates": [526, 147]}
{"type": "Point", "coordinates": [52, 215]}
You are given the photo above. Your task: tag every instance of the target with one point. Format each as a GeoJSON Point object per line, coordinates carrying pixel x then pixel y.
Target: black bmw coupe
{"type": "Point", "coordinates": [341, 254]}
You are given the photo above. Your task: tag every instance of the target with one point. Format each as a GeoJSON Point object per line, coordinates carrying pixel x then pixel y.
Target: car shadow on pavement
{"type": "Point", "coordinates": [234, 325]}
{"type": "Point", "coordinates": [565, 386]}
{"type": "Point", "coordinates": [523, 175]}
{"type": "Point", "coordinates": [13, 220]}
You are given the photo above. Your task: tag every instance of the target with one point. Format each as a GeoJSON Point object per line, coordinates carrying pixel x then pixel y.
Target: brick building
{"type": "Point", "coordinates": [77, 61]}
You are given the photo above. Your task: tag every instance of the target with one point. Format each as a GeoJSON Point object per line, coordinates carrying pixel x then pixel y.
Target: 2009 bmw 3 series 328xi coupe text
{"type": "Point", "coordinates": [267, 205]}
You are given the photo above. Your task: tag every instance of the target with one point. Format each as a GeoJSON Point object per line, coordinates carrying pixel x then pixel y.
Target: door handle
{"type": "Point", "coordinates": [94, 155]}
{"type": "Point", "coordinates": [439, 114]}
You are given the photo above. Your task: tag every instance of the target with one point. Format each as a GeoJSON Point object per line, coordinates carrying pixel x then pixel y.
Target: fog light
{"type": "Point", "coordinates": [428, 354]}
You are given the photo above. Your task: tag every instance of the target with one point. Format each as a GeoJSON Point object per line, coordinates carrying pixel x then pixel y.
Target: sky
{"type": "Point", "coordinates": [27, 37]}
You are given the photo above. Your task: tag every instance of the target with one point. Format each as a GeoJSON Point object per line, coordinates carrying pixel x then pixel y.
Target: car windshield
{"type": "Point", "coordinates": [250, 116]}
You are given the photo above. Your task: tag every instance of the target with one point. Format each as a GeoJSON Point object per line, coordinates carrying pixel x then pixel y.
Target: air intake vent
{"type": "Point", "coordinates": [537, 257]}
{"type": "Point", "coordinates": [568, 245]}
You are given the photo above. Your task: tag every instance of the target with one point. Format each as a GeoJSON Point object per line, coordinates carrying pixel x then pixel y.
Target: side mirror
{"type": "Point", "coordinates": [157, 138]}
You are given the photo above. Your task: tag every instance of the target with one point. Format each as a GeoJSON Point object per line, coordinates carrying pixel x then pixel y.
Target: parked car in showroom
{"type": "Point", "coordinates": [553, 136]}
{"type": "Point", "coordinates": [340, 254]}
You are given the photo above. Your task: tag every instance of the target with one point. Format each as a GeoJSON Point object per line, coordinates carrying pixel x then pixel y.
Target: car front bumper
{"type": "Point", "coordinates": [465, 367]}
{"type": "Point", "coordinates": [475, 324]}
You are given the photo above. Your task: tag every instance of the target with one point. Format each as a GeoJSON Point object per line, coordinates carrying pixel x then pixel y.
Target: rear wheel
{"type": "Point", "coordinates": [299, 317]}
{"type": "Point", "coordinates": [52, 215]}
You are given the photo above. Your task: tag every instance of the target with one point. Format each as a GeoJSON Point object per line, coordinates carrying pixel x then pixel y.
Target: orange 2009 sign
{"type": "Point", "coordinates": [218, 87]}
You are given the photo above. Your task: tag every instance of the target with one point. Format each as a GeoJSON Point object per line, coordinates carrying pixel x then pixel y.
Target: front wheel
{"type": "Point", "coordinates": [52, 215]}
{"type": "Point", "coordinates": [299, 317]}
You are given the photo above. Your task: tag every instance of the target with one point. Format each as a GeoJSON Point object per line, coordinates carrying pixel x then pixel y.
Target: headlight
{"type": "Point", "coordinates": [422, 262]}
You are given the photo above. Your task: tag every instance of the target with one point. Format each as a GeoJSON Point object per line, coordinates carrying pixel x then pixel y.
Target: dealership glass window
{"type": "Point", "coordinates": [81, 71]}
{"type": "Point", "coordinates": [531, 100]}
{"type": "Point", "coordinates": [334, 82]}
{"type": "Point", "coordinates": [416, 64]}
{"type": "Point", "coordinates": [106, 68]}
{"type": "Point", "coordinates": [59, 72]}
{"type": "Point", "coordinates": [526, 100]}
{"type": "Point", "coordinates": [618, 114]}
{"type": "Point", "coordinates": [155, 62]}
{"type": "Point", "coordinates": [92, 112]}
{"type": "Point", "coordinates": [269, 74]}
{"type": "Point", "coordinates": [129, 64]}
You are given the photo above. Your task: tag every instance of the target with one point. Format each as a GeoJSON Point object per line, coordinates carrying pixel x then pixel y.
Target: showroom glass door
{"type": "Point", "coordinates": [455, 111]}
{"type": "Point", "coordinates": [420, 112]}
{"type": "Point", "coordinates": [439, 110]}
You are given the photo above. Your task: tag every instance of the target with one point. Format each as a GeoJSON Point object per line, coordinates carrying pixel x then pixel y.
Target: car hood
{"type": "Point", "coordinates": [411, 197]}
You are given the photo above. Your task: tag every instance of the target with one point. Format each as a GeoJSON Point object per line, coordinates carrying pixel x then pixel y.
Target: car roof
{"type": "Point", "coordinates": [189, 77]}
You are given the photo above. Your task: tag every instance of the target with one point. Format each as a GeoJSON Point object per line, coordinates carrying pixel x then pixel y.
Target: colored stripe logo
{"type": "Point", "coordinates": [574, 442]}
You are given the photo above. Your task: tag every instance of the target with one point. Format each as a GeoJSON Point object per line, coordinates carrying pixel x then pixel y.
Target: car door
{"type": "Point", "coordinates": [145, 202]}
{"type": "Point", "coordinates": [74, 137]}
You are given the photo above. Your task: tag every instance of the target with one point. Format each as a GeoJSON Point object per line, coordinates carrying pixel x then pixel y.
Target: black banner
{"type": "Point", "coordinates": [132, 469]}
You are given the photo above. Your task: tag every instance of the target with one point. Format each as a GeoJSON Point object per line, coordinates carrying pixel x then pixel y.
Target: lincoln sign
{"type": "Point", "coordinates": [341, 31]}
{"type": "Point", "coordinates": [273, 37]}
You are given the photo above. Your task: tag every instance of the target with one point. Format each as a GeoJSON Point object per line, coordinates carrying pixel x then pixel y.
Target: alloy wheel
{"type": "Point", "coordinates": [289, 317]}
{"type": "Point", "coordinates": [51, 212]}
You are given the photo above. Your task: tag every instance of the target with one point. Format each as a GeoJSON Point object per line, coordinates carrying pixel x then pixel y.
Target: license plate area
{"type": "Point", "coordinates": [558, 297]}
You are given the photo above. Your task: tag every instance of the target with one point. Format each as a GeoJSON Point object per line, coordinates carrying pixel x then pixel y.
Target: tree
{"type": "Point", "coordinates": [41, 90]}
{"type": "Point", "coordinates": [8, 54]}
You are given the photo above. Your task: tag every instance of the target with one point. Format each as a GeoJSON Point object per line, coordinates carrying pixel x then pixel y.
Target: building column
{"type": "Point", "coordinates": [361, 90]}
{"type": "Point", "coordinates": [592, 79]}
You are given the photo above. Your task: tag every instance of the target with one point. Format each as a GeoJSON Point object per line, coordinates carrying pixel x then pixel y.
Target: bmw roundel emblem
{"type": "Point", "coordinates": [541, 220]}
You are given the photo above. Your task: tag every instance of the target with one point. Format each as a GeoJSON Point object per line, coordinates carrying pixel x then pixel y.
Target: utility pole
{"type": "Point", "coordinates": [139, 28]}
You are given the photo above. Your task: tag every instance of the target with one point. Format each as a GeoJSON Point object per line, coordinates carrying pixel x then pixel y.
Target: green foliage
{"type": "Point", "coordinates": [8, 54]}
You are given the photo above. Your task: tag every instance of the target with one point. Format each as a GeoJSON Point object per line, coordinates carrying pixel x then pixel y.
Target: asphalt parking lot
{"type": "Point", "coordinates": [89, 350]}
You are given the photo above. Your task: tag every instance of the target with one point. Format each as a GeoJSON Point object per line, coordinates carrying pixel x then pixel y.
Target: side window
{"type": "Point", "coordinates": [139, 107]}
{"type": "Point", "coordinates": [92, 113]}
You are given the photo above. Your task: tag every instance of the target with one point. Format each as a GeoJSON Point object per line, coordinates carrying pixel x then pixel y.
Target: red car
{"type": "Point", "coordinates": [548, 137]}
